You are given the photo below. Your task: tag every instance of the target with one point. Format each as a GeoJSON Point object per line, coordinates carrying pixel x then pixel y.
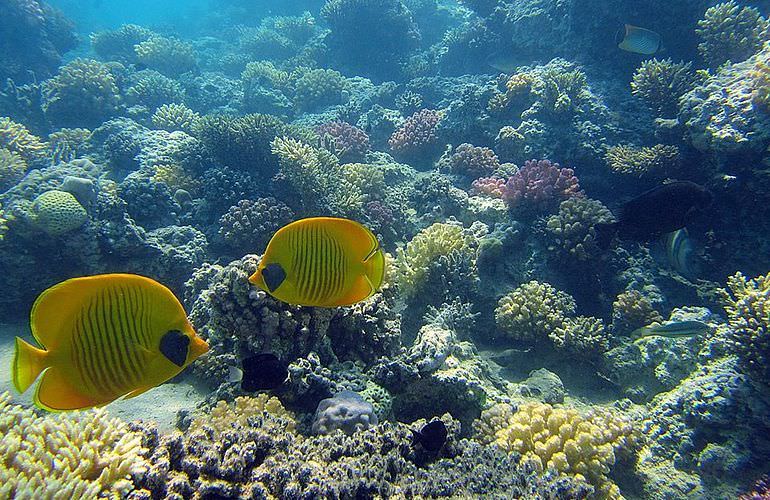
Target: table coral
{"type": "Point", "coordinates": [78, 455]}
{"type": "Point", "coordinates": [582, 445]}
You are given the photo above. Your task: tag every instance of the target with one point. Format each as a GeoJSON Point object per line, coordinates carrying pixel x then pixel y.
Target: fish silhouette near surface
{"type": "Point", "coordinates": [663, 209]}
{"type": "Point", "coordinates": [323, 262]}
{"type": "Point", "coordinates": [103, 337]}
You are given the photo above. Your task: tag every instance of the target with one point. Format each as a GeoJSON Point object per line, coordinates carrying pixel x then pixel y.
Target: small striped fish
{"type": "Point", "coordinates": [321, 261]}
{"type": "Point", "coordinates": [638, 40]}
{"type": "Point", "coordinates": [103, 337]}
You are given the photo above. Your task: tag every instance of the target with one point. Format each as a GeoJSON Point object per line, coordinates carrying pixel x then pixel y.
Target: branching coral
{"type": "Point", "coordinates": [535, 311]}
{"type": "Point", "coordinates": [494, 187]}
{"type": "Point", "coordinates": [730, 32]}
{"type": "Point", "coordinates": [317, 178]}
{"type": "Point", "coordinates": [417, 135]}
{"type": "Point", "coordinates": [84, 93]}
{"type": "Point", "coordinates": [12, 169]}
{"type": "Point", "coordinates": [660, 160]}
{"type": "Point", "coordinates": [760, 76]}
{"type": "Point", "coordinates": [747, 303]}
{"type": "Point", "coordinates": [582, 445]}
{"type": "Point", "coordinates": [16, 138]}
{"type": "Point", "coordinates": [169, 56]}
{"type": "Point", "coordinates": [573, 229]}
{"type": "Point", "coordinates": [317, 88]}
{"type": "Point", "coordinates": [660, 84]}
{"type": "Point", "coordinates": [151, 89]}
{"type": "Point", "coordinates": [173, 117]}
{"type": "Point", "coordinates": [226, 416]}
{"type": "Point", "coordinates": [81, 455]}
{"type": "Point", "coordinates": [249, 225]}
{"type": "Point", "coordinates": [540, 184]}
{"type": "Point", "coordinates": [69, 144]}
{"type": "Point", "coordinates": [347, 142]}
{"type": "Point", "coordinates": [632, 310]}
{"type": "Point", "coordinates": [426, 248]}
{"type": "Point", "coordinates": [473, 162]}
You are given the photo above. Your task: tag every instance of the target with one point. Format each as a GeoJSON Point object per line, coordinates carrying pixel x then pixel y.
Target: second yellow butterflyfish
{"type": "Point", "coordinates": [321, 261]}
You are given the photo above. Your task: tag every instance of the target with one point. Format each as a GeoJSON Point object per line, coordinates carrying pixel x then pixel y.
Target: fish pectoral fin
{"type": "Point", "coordinates": [54, 393]}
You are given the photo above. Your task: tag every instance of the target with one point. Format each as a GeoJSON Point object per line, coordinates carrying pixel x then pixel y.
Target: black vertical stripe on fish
{"type": "Point", "coordinates": [139, 317]}
{"type": "Point", "coordinates": [97, 343]}
{"type": "Point", "coordinates": [312, 263]}
{"type": "Point", "coordinates": [339, 271]}
{"type": "Point", "coordinates": [310, 268]}
{"type": "Point", "coordinates": [79, 356]}
{"type": "Point", "coordinates": [123, 337]}
{"type": "Point", "coordinates": [117, 370]}
{"type": "Point", "coordinates": [303, 250]}
{"type": "Point", "coordinates": [319, 264]}
{"type": "Point", "coordinates": [130, 327]}
{"type": "Point", "coordinates": [326, 289]}
{"type": "Point", "coordinates": [109, 351]}
{"type": "Point", "coordinates": [87, 355]}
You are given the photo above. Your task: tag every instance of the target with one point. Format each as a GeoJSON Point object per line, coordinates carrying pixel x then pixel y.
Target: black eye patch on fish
{"type": "Point", "coordinates": [174, 345]}
{"type": "Point", "coordinates": [273, 275]}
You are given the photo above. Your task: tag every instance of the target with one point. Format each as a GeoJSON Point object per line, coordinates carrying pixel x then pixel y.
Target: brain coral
{"type": "Point", "coordinates": [77, 455]}
{"type": "Point", "coordinates": [730, 32]}
{"type": "Point", "coordinates": [83, 94]}
{"type": "Point", "coordinates": [582, 445]}
{"type": "Point", "coordinates": [58, 212]}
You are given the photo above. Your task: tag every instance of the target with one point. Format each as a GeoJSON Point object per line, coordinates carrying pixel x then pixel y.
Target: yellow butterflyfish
{"type": "Point", "coordinates": [321, 261]}
{"type": "Point", "coordinates": [103, 337]}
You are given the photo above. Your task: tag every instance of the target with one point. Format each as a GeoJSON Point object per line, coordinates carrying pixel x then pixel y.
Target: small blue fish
{"type": "Point", "coordinates": [673, 330]}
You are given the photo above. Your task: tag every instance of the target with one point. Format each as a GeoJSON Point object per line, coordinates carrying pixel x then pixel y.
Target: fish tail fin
{"type": "Point", "coordinates": [374, 267]}
{"type": "Point", "coordinates": [605, 232]}
{"type": "Point", "coordinates": [28, 363]}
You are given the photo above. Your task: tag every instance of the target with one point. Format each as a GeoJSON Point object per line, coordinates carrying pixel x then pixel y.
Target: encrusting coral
{"type": "Point", "coordinates": [79, 455]}
{"type": "Point", "coordinates": [582, 445]}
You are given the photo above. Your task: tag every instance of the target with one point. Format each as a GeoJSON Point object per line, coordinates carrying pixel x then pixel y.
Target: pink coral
{"type": "Point", "coordinates": [349, 143]}
{"type": "Point", "coordinates": [473, 161]}
{"type": "Point", "coordinates": [488, 186]}
{"type": "Point", "coordinates": [540, 184]}
{"type": "Point", "coordinates": [417, 135]}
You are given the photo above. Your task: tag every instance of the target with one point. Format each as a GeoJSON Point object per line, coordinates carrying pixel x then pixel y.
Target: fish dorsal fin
{"type": "Point", "coordinates": [353, 236]}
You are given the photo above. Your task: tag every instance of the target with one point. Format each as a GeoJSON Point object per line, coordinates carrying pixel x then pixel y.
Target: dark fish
{"type": "Point", "coordinates": [260, 373]}
{"type": "Point", "coordinates": [663, 209]}
{"type": "Point", "coordinates": [432, 436]}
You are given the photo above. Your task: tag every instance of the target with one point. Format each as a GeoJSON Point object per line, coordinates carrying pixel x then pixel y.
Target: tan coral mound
{"type": "Point", "coordinates": [74, 455]}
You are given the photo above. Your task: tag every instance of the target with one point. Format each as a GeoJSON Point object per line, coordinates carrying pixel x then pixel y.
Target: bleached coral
{"type": "Point", "coordinates": [75, 455]}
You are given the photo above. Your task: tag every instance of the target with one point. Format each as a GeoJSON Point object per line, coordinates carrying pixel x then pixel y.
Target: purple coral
{"type": "Point", "coordinates": [417, 135]}
{"type": "Point", "coordinates": [349, 143]}
{"type": "Point", "coordinates": [488, 186]}
{"type": "Point", "coordinates": [248, 225]}
{"type": "Point", "coordinates": [540, 184]}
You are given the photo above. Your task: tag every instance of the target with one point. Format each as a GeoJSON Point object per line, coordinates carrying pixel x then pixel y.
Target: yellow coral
{"type": "Point", "coordinates": [632, 310]}
{"type": "Point", "coordinates": [574, 227]}
{"type": "Point", "coordinates": [660, 160]}
{"type": "Point", "coordinates": [517, 85]}
{"type": "Point", "coordinates": [175, 177]}
{"type": "Point", "coordinates": [15, 137]}
{"type": "Point", "coordinates": [533, 310]}
{"type": "Point", "coordinates": [582, 445]}
{"type": "Point", "coordinates": [58, 212]}
{"type": "Point", "coordinates": [77, 455]}
{"type": "Point", "coordinates": [173, 117]}
{"type": "Point", "coordinates": [12, 168]}
{"type": "Point", "coordinates": [439, 239]}
{"type": "Point", "coordinates": [370, 179]}
{"type": "Point", "coordinates": [4, 218]}
{"type": "Point", "coordinates": [225, 415]}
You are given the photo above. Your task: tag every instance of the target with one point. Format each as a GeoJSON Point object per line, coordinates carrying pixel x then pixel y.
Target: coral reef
{"type": "Point", "coordinates": [347, 142]}
{"type": "Point", "coordinates": [573, 228]}
{"type": "Point", "coordinates": [168, 56]}
{"type": "Point", "coordinates": [473, 162]}
{"type": "Point", "coordinates": [249, 225]}
{"type": "Point", "coordinates": [346, 411]}
{"type": "Point", "coordinates": [730, 32]}
{"type": "Point", "coordinates": [661, 82]}
{"type": "Point", "coordinates": [582, 445]}
{"type": "Point", "coordinates": [171, 117]}
{"type": "Point", "coordinates": [82, 455]}
{"type": "Point", "coordinates": [12, 168]}
{"type": "Point", "coordinates": [317, 88]}
{"type": "Point", "coordinates": [84, 93]}
{"type": "Point", "coordinates": [539, 184]}
{"type": "Point", "coordinates": [660, 160]}
{"type": "Point", "coordinates": [17, 139]}
{"type": "Point", "coordinates": [118, 45]}
{"type": "Point", "coordinates": [416, 138]}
